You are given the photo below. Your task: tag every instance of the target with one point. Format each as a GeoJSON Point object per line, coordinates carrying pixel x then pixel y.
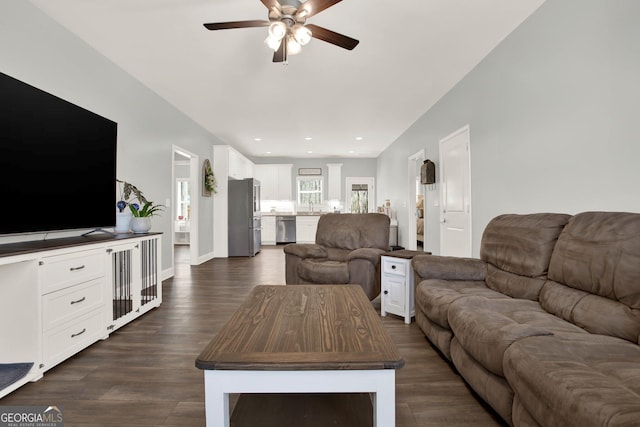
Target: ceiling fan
{"type": "Point", "coordinates": [288, 30]}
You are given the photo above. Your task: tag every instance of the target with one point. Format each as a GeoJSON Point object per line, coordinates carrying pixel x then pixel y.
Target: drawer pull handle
{"type": "Point", "coordinates": [393, 267]}
{"type": "Point", "coordinates": [78, 301]}
{"type": "Point", "coordinates": [76, 268]}
{"type": "Point", "coordinates": [79, 333]}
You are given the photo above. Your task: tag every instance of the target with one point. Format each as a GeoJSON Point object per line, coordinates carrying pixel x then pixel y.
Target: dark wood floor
{"type": "Point", "coordinates": [144, 373]}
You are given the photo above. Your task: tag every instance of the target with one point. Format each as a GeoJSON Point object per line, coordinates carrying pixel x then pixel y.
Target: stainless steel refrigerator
{"type": "Point", "coordinates": [245, 228]}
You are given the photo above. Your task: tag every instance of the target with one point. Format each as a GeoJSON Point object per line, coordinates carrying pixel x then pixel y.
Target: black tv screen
{"type": "Point", "coordinates": [57, 163]}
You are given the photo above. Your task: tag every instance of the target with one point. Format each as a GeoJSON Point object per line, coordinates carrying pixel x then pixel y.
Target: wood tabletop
{"type": "Point", "coordinates": [302, 327]}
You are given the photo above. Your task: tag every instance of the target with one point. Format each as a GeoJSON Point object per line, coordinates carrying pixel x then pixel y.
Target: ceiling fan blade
{"type": "Point", "coordinates": [314, 7]}
{"type": "Point", "coordinates": [236, 24]}
{"type": "Point", "coordinates": [280, 55]}
{"type": "Point", "coordinates": [271, 4]}
{"type": "Point", "coordinates": [332, 37]}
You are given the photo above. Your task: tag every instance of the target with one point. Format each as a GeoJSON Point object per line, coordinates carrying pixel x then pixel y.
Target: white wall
{"type": "Point", "coordinates": [38, 51]}
{"type": "Point", "coordinates": [553, 120]}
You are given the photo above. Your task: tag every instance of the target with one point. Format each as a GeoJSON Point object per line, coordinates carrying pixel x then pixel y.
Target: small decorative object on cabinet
{"type": "Point", "coordinates": [123, 222]}
{"type": "Point", "coordinates": [141, 224]}
{"type": "Point", "coordinates": [397, 282]}
{"type": "Point", "coordinates": [141, 217]}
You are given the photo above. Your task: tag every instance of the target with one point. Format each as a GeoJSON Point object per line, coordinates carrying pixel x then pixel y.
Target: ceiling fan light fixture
{"type": "Point", "coordinates": [302, 34]}
{"type": "Point", "coordinates": [293, 47]}
{"type": "Point", "coordinates": [278, 30]}
{"type": "Point", "coordinates": [273, 43]}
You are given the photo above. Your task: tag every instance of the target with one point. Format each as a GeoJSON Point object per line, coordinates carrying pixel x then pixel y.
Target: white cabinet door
{"type": "Point", "coordinates": [334, 183]}
{"type": "Point", "coordinates": [394, 289]}
{"type": "Point", "coordinates": [268, 230]}
{"type": "Point", "coordinates": [275, 181]}
{"type": "Point", "coordinates": [236, 165]}
{"type": "Point", "coordinates": [284, 182]}
{"type": "Point", "coordinates": [267, 175]}
{"type": "Point", "coordinates": [306, 227]}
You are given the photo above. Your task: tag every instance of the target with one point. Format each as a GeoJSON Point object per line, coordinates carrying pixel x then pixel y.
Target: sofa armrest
{"type": "Point", "coordinates": [370, 254]}
{"type": "Point", "coordinates": [448, 268]}
{"type": "Point", "coordinates": [305, 250]}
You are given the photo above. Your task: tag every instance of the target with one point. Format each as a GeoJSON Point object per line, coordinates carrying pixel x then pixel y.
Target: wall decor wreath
{"type": "Point", "coordinates": [209, 184]}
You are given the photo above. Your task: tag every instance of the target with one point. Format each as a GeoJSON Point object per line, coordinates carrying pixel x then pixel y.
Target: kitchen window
{"type": "Point", "coordinates": [309, 189]}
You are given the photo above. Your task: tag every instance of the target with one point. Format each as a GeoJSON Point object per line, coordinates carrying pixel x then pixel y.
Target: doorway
{"type": "Point", "coordinates": [360, 194]}
{"type": "Point", "coordinates": [414, 190]}
{"type": "Point", "coordinates": [184, 202]}
{"type": "Point", "coordinates": [455, 194]}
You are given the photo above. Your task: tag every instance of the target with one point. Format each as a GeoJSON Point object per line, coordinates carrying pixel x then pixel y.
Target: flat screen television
{"type": "Point", "coordinates": [57, 163]}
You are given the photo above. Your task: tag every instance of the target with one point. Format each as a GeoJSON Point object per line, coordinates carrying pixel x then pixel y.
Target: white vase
{"type": "Point", "coordinates": [140, 224]}
{"type": "Point", "coordinates": [123, 222]}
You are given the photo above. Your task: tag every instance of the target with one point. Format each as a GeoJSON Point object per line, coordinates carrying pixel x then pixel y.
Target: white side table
{"type": "Point", "coordinates": [397, 283]}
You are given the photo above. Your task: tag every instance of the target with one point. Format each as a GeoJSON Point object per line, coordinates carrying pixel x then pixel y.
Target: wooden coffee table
{"type": "Point", "coordinates": [301, 339]}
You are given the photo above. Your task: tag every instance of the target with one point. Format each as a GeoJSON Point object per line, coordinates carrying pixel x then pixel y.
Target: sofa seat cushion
{"type": "Point", "coordinates": [434, 297]}
{"type": "Point", "coordinates": [323, 271]}
{"type": "Point", "coordinates": [486, 327]}
{"type": "Point", "coordinates": [553, 376]}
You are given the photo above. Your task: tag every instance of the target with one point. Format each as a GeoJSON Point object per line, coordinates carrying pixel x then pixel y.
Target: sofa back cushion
{"type": "Point", "coordinates": [522, 244]}
{"type": "Point", "coordinates": [596, 269]}
{"type": "Point", "coordinates": [353, 231]}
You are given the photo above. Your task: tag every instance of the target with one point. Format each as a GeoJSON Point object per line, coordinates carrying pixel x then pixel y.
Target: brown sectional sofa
{"type": "Point", "coordinates": [545, 326]}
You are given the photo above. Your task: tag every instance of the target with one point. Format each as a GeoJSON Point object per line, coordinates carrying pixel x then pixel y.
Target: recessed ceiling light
{"type": "Point", "coordinates": [308, 138]}
{"type": "Point", "coordinates": [351, 151]}
{"type": "Point", "coordinates": [268, 152]}
{"type": "Point", "coordinates": [309, 152]}
{"type": "Point", "coordinates": [257, 139]}
{"type": "Point", "coordinates": [359, 138]}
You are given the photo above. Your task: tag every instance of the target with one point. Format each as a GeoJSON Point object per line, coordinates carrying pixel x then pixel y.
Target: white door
{"type": "Point", "coordinates": [360, 194]}
{"type": "Point", "coordinates": [455, 194]}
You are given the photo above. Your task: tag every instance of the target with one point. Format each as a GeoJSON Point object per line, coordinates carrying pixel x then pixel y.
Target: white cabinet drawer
{"type": "Point", "coordinates": [65, 304]}
{"type": "Point", "coordinates": [62, 271]}
{"type": "Point", "coordinates": [68, 339]}
{"type": "Point", "coordinates": [395, 266]}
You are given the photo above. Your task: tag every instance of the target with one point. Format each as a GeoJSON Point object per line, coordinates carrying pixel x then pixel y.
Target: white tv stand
{"type": "Point", "coordinates": [59, 296]}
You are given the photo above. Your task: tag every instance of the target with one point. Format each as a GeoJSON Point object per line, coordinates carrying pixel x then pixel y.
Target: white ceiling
{"type": "Point", "coordinates": [410, 54]}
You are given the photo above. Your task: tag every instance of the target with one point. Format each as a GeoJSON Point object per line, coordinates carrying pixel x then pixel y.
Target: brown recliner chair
{"type": "Point", "coordinates": [347, 250]}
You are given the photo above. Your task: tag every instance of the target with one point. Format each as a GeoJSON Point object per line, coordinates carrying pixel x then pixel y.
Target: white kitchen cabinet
{"type": "Point", "coordinates": [275, 181]}
{"type": "Point", "coordinates": [334, 184]}
{"type": "Point", "coordinates": [397, 283]}
{"type": "Point", "coordinates": [268, 230]}
{"type": "Point", "coordinates": [306, 226]}
{"type": "Point", "coordinates": [239, 166]}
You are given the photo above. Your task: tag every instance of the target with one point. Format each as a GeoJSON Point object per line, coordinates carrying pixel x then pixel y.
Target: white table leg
{"type": "Point", "coordinates": [384, 405]}
{"type": "Point", "coordinates": [216, 402]}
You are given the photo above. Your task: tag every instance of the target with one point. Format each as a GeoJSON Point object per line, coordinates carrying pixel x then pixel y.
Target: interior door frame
{"type": "Point", "coordinates": [412, 164]}
{"type": "Point", "coordinates": [194, 186]}
{"type": "Point", "coordinates": [443, 166]}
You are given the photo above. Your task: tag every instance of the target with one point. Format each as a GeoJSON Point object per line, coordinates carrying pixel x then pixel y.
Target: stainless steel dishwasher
{"type": "Point", "coordinates": [285, 229]}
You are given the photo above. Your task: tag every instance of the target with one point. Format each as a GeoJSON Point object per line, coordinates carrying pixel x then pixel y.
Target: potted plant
{"type": "Point", "coordinates": [139, 218]}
